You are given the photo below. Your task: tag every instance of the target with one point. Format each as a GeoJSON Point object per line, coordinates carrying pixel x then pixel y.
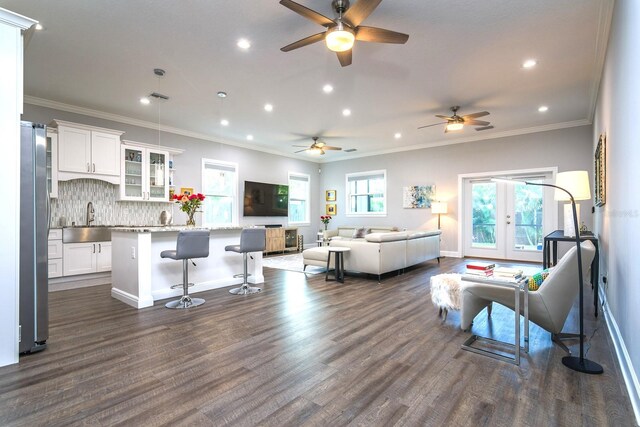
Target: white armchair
{"type": "Point", "coordinates": [548, 307]}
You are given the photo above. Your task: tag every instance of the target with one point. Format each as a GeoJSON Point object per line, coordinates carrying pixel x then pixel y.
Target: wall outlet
{"type": "Point", "coordinates": [133, 252]}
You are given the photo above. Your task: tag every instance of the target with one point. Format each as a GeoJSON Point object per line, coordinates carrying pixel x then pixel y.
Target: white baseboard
{"type": "Point", "coordinates": [626, 366]}
{"type": "Point", "coordinates": [451, 254]}
{"type": "Point", "coordinates": [129, 299]}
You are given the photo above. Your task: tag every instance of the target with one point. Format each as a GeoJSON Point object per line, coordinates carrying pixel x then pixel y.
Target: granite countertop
{"type": "Point", "coordinates": [168, 228]}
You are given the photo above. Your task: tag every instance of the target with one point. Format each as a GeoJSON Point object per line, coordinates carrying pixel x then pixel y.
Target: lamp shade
{"type": "Point", "coordinates": [438, 207]}
{"type": "Point", "coordinates": [576, 183]}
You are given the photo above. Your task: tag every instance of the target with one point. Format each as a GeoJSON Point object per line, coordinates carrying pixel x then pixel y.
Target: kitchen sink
{"type": "Point", "coordinates": [98, 233]}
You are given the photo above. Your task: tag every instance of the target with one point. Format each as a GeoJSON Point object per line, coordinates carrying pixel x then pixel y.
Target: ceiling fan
{"type": "Point", "coordinates": [456, 122]}
{"type": "Point", "coordinates": [342, 32]}
{"type": "Point", "coordinates": [317, 147]}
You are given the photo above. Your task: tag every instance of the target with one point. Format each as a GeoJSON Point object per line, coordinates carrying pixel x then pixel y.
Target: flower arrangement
{"type": "Point", "coordinates": [325, 220]}
{"type": "Point", "coordinates": [189, 204]}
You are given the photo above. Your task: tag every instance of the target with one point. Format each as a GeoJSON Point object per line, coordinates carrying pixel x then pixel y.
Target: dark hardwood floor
{"type": "Point", "coordinates": [304, 352]}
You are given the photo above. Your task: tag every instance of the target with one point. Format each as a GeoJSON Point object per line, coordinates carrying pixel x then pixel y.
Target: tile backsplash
{"type": "Point", "coordinates": [74, 195]}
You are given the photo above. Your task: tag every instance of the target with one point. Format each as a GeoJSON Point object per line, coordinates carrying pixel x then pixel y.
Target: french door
{"type": "Point", "coordinates": [507, 220]}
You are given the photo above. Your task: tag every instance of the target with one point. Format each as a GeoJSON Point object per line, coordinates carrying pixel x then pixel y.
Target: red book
{"type": "Point", "coordinates": [480, 266]}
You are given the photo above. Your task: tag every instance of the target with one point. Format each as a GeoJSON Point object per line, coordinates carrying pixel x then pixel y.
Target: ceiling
{"type": "Point", "coordinates": [100, 56]}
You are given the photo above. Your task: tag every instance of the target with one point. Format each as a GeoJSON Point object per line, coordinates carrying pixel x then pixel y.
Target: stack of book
{"type": "Point", "coordinates": [483, 269]}
{"type": "Point", "coordinates": [507, 273]}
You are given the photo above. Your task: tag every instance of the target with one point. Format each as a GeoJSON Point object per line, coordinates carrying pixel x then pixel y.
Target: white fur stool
{"type": "Point", "coordinates": [446, 293]}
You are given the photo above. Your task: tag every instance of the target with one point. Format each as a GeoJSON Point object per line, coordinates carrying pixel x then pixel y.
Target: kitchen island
{"type": "Point", "coordinates": [140, 277]}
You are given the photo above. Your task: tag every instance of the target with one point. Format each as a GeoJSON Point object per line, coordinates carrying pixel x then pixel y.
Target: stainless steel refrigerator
{"type": "Point", "coordinates": [34, 232]}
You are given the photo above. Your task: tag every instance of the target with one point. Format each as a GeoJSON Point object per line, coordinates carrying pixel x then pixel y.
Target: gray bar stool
{"type": "Point", "coordinates": [251, 240]}
{"type": "Point", "coordinates": [190, 244]}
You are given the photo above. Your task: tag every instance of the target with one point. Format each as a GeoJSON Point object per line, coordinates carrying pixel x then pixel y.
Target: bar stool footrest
{"type": "Point", "coordinates": [180, 285]}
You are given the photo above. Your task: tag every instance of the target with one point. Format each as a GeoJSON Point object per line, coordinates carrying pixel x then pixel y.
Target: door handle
{"type": "Point", "coordinates": [508, 222]}
{"type": "Point", "coordinates": [88, 168]}
{"type": "Point", "coordinates": [94, 248]}
{"type": "Point", "coordinates": [99, 248]}
{"type": "Point", "coordinates": [94, 167]}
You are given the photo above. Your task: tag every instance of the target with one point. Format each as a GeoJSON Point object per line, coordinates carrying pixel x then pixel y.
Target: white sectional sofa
{"type": "Point", "coordinates": [380, 251]}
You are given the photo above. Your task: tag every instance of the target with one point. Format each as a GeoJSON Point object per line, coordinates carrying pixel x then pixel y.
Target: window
{"type": "Point", "coordinates": [220, 188]}
{"type": "Point", "coordinates": [367, 193]}
{"type": "Point", "coordinates": [298, 198]}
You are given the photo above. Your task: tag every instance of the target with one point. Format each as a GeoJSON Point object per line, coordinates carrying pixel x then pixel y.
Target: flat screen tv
{"type": "Point", "coordinates": [262, 199]}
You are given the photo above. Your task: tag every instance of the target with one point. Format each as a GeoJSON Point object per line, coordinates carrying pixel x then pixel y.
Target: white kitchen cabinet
{"type": "Point", "coordinates": [103, 257]}
{"type": "Point", "coordinates": [144, 174]}
{"type": "Point", "coordinates": [86, 258]}
{"type": "Point", "coordinates": [54, 253]}
{"type": "Point", "coordinates": [52, 162]}
{"type": "Point", "coordinates": [88, 152]}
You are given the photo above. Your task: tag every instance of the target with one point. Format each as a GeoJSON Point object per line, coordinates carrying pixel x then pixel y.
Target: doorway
{"type": "Point", "coordinates": [507, 220]}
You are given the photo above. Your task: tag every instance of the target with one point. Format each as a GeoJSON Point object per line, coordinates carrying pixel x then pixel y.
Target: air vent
{"type": "Point", "coordinates": [159, 96]}
{"type": "Point", "coordinates": [350, 150]}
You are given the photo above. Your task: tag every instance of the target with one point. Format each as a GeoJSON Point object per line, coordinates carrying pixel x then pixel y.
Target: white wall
{"type": "Point", "coordinates": [253, 165]}
{"type": "Point", "coordinates": [566, 149]}
{"type": "Point", "coordinates": [10, 107]}
{"type": "Point", "coordinates": [618, 221]}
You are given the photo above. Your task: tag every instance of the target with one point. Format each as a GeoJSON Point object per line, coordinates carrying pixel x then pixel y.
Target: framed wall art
{"type": "Point", "coordinates": [600, 175]}
{"type": "Point", "coordinates": [330, 195]}
{"type": "Point", "coordinates": [187, 191]}
{"type": "Point", "coordinates": [418, 196]}
{"type": "Point", "coordinates": [331, 209]}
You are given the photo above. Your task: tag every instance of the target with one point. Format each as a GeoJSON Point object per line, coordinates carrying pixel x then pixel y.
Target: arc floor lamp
{"type": "Point", "coordinates": [572, 186]}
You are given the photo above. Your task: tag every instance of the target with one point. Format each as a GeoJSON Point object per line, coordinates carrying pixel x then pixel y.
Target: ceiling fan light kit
{"type": "Point", "coordinates": [340, 38]}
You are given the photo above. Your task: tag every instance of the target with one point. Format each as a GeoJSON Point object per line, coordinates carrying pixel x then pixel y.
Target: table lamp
{"type": "Point", "coordinates": [566, 184]}
{"type": "Point", "coordinates": [439, 208]}
{"type": "Point", "coordinates": [576, 183]}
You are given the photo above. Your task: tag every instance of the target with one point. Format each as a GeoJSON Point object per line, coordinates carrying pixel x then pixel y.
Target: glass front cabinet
{"type": "Point", "coordinates": [144, 174]}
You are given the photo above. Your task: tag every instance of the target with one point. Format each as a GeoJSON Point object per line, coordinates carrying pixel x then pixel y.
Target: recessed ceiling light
{"type": "Point", "coordinates": [268, 107]}
{"type": "Point", "coordinates": [397, 135]}
{"type": "Point", "coordinates": [145, 101]}
{"type": "Point", "coordinates": [529, 63]}
{"type": "Point", "coordinates": [249, 137]}
{"type": "Point", "coordinates": [224, 122]}
{"type": "Point", "coordinates": [244, 44]}
{"type": "Point", "coordinates": [543, 109]}
{"type": "Point", "coordinates": [222, 94]}
{"type": "Point", "coordinates": [327, 88]}
{"type": "Point", "coordinates": [346, 112]}
{"type": "Point", "coordinates": [39, 27]}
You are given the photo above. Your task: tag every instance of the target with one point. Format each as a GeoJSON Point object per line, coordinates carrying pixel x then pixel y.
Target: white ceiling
{"type": "Point", "coordinates": [100, 55]}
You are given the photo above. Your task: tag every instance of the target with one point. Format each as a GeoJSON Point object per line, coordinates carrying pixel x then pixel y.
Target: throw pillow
{"type": "Point", "coordinates": [359, 233]}
{"type": "Point", "coordinates": [395, 229]}
{"type": "Point", "coordinates": [537, 279]}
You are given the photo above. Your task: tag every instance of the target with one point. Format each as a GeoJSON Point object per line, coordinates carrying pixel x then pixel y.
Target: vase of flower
{"type": "Point", "coordinates": [189, 204]}
{"type": "Point", "coordinates": [325, 220]}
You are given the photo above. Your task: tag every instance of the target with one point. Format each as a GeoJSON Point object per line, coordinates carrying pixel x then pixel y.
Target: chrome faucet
{"type": "Point", "coordinates": [90, 214]}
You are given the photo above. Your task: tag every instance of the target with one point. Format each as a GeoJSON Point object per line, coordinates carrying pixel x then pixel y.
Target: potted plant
{"type": "Point", "coordinates": [325, 220]}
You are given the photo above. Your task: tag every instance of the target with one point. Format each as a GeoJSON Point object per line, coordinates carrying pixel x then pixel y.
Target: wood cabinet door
{"type": "Point", "coordinates": [79, 258]}
{"type": "Point", "coordinates": [103, 256]}
{"type": "Point", "coordinates": [74, 150]}
{"type": "Point", "coordinates": [105, 153]}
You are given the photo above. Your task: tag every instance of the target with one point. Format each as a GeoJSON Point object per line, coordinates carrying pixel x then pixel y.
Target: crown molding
{"type": "Point", "coordinates": [600, 54]}
{"type": "Point", "coordinates": [41, 102]}
{"type": "Point", "coordinates": [178, 131]}
{"type": "Point", "coordinates": [505, 134]}
{"type": "Point", "coordinates": [11, 18]}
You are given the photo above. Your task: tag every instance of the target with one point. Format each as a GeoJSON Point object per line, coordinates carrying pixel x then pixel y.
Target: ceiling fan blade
{"type": "Point", "coordinates": [345, 57]}
{"type": "Point", "coordinates": [476, 123]}
{"type": "Point", "coordinates": [303, 42]}
{"type": "Point", "coordinates": [435, 124]}
{"type": "Point", "coordinates": [485, 127]}
{"type": "Point", "coordinates": [300, 146]}
{"type": "Point", "coordinates": [475, 115]}
{"type": "Point", "coordinates": [307, 13]}
{"type": "Point", "coordinates": [360, 11]}
{"type": "Point", "coordinates": [300, 151]}
{"type": "Point", "coordinates": [444, 117]}
{"type": "Point", "coordinates": [380, 35]}
{"type": "Point", "coordinates": [328, 147]}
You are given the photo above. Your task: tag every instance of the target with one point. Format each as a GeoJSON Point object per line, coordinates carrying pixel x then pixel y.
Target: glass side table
{"type": "Point", "coordinates": [521, 285]}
